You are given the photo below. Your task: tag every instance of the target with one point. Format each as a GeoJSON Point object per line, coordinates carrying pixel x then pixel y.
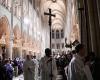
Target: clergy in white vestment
{"type": "Point", "coordinates": [36, 67]}
{"type": "Point", "coordinates": [48, 68]}
{"type": "Point", "coordinates": [76, 66]}
{"type": "Point", "coordinates": [29, 68]}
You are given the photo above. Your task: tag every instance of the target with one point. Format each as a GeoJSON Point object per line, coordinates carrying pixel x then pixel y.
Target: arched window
{"type": "Point", "coordinates": [53, 46]}
{"type": "Point", "coordinates": [62, 33]}
{"type": "Point", "coordinates": [58, 46]}
{"type": "Point", "coordinates": [53, 34]}
{"type": "Point", "coordinates": [62, 45]}
{"type": "Point", "coordinates": [57, 34]}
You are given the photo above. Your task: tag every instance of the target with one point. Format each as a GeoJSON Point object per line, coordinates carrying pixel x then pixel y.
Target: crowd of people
{"type": "Point", "coordinates": [10, 68]}
{"type": "Point", "coordinates": [74, 65]}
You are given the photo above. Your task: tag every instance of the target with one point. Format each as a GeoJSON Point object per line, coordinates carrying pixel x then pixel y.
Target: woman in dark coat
{"type": "Point", "coordinates": [9, 70]}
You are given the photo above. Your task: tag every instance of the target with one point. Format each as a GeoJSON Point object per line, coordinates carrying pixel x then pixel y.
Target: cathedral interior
{"type": "Point", "coordinates": [24, 28]}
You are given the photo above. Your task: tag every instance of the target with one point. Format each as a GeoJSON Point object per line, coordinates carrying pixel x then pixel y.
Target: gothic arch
{"type": "Point", "coordinates": [5, 29]}
{"type": "Point", "coordinates": [61, 14]}
{"type": "Point", "coordinates": [57, 26]}
{"type": "Point", "coordinates": [75, 33]}
{"type": "Point", "coordinates": [57, 20]}
{"type": "Point", "coordinates": [17, 32]}
{"type": "Point", "coordinates": [24, 38]}
{"type": "Point", "coordinates": [49, 4]}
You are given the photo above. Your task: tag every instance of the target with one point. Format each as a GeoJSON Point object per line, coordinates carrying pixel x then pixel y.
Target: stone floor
{"type": "Point", "coordinates": [22, 78]}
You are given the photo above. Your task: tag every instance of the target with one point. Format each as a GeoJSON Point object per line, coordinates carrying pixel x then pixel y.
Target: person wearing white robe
{"type": "Point", "coordinates": [46, 63]}
{"type": "Point", "coordinates": [29, 69]}
{"type": "Point", "coordinates": [36, 67]}
{"type": "Point", "coordinates": [76, 66]}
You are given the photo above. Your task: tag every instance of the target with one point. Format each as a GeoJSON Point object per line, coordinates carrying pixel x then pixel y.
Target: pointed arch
{"type": "Point", "coordinates": [5, 28]}
{"type": "Point", "coordinates": [24, 37]}
{"type": "Point", "coordinates": [17, 32]}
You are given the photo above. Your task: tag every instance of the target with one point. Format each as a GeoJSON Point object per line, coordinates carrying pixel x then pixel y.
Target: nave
{"type": "Point", "coordinates": [28, 27]}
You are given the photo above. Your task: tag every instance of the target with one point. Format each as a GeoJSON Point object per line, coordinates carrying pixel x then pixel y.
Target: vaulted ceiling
{"type": "Point", "coordinates": [58, 7]}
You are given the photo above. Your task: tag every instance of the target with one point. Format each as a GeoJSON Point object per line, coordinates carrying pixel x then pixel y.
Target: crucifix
{"type": "Point", "coordinates": [50, 22]}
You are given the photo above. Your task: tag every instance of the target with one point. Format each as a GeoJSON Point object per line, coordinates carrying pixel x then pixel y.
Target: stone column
{"type": "Point", "coordinates": [19, 50]}
{"type": "Point", "coordinates": [24, 54]}
{"type": "Point", "coordinates": [9, 46]}
{"type": "Point", "coordinates": [98, 8]}
{"type": "Point", "coordinates": [94, 26]}
{"type": "Point", "coordinates": [27, 52]}
{"type": "Point", "coordinates": [82, 24]}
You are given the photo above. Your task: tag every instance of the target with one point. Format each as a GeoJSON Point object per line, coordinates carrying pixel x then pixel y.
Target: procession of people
{"type": "Point", "coordinates": [74, 65]}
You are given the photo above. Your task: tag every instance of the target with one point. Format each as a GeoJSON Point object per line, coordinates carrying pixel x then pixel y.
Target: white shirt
{"type": "Point", "coordinates": [76, 69]}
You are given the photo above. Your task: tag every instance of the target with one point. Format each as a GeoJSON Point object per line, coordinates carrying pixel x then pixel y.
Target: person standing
{"type": "Point", "coordinates": [29, 68]}
{"type": "Point", "coordinates": [36, 67]}
{"type": "Point", "coordinates": [8, 70]}
{"type": "Point", "coordinates": [15, 65]}
{"type": "Point", "coordinates": [76, 66]}
{"type": "Point", "coordinates": [48, 68]}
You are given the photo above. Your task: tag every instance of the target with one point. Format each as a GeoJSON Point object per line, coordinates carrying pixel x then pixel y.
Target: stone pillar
{"type": "Point", "coordinates": [9, 46]}
{"type": "Point", "coordinates": [19, 50]}
{"type": "Point", "coordinates": [27, 52]}
{"type": "Point", "coordinates": [82, 24]}
{"type": "Point", "coordinates": [24, 54]}
{"type": "Point", "coordinates": [94, 26]}
{"type": "Point", "coordinates": [98, 8]}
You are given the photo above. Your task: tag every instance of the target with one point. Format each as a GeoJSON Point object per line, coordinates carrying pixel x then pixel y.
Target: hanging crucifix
{"type": "Point", "coordinates": [50, 22]}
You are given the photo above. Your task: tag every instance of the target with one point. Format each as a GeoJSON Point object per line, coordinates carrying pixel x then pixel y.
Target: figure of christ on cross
{"type": "Point", "coordinates": [50, 22]}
